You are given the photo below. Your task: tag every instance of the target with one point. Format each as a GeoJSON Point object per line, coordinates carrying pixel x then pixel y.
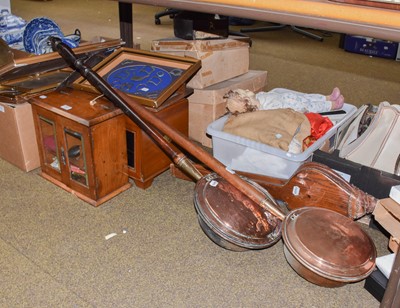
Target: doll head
{"type": "Point", "coordinates": [241, 101]}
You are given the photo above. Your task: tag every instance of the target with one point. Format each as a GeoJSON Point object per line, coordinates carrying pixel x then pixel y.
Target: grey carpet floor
{"type": "Point", "coordinates": [53, 246]}
{"type": "Point", "coordinates": [54, 253]}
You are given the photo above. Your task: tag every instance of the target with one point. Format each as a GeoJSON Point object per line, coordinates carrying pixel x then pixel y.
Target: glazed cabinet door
{"type": "Point", "coordinates": [77, 161]}
{"type": "Point", "coordinates": [65, 151]}
{"type": "Point", "coordinates": [51, 157]}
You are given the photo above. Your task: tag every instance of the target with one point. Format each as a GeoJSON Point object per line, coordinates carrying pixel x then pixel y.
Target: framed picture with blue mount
{"type": "Point", "coordinates": [151, 78]}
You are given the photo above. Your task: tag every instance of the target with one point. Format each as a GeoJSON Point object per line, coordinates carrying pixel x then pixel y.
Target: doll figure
{"type": "Point", "coordinates": [240, 101]}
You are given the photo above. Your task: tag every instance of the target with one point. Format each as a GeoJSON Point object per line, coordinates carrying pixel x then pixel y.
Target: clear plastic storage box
{"type": "Point", "coordinates": [242, 154]}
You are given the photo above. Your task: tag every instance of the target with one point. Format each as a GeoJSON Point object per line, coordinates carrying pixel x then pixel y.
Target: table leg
{"type": "Point", "coordinates": [125, 23]}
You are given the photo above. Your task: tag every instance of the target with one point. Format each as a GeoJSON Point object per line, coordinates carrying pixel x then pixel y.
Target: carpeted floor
{"type": "Point", "coordinates": [54, 254]}
{"type": "Point", "coordinates": [53, 250]}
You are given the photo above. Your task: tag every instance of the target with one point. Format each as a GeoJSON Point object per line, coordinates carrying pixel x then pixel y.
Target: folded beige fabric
{"type": "Point", "coordinates": [277, 127]}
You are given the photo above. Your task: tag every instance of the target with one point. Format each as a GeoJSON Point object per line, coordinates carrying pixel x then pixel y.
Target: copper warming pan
{"type": "Point", "coordinates": [230, 219]}
{"type": "Point", "coordinates": [322, 246]}
{"type": "Point", "coordinates": [327, 248]}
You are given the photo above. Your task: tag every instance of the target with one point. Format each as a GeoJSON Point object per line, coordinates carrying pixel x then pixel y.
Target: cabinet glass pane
{"type": "Point", "coordinates": [49, 141]}
{"type": "Point", "coordinates": [76, 157]}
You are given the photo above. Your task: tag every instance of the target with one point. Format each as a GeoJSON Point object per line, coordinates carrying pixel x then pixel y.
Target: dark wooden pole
{"type": "Point", "coordinates": [146, 120]}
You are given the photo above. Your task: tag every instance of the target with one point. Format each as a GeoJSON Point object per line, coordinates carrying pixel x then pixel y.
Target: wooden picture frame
{"type": "Point", "coordinates": [24, 75]}
{"type": "Point", "coordinates": [151, 78]}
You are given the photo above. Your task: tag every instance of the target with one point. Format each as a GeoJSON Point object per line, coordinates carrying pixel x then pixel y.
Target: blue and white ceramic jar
{"type": "Point", "coordinates": [12, 29]}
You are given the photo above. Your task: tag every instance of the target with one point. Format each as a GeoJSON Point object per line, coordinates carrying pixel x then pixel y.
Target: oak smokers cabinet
{"type": "Point", "coordinates": [146, 160]}
{"type": "Point", "coordinates": [82, 145]}
{"type": "Point", "coordinates": [158, 82]}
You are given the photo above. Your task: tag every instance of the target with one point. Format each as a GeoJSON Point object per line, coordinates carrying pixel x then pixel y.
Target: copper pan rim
{"type": "Point", "coordinates": [309, 275]}
{"type": "Point", "coordinates": [220, 240]}
{"type": "Point", "coordinates": [241, 244]}
{"type": "Point", "coordinates": [327, 244]}
{"type": "Point", "coordinates": [316, 270]}
{"type": "Point", "coordinates": [228, 216]}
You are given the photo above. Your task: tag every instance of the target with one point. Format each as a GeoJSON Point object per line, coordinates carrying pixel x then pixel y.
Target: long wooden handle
{"type": "Point", "coordinates": [146, 120]}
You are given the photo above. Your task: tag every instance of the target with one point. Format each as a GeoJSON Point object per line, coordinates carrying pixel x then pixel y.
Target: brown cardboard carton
{"type": "Point", "coordinates": [206, 105]}
{"type": "Point", "coordinates": [393, 244]}
{"type": "Point", "coordinates": [18, 139]}
{"type": "Point", "coordinates": [200, 115]}
{"type": "Point", "coordinates": [220, 59]}
{"type": "Point", "coordinates": [387, 214]}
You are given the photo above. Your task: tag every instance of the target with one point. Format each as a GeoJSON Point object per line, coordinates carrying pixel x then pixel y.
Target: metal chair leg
{"type": "Point", "coordinates": [281, 26]}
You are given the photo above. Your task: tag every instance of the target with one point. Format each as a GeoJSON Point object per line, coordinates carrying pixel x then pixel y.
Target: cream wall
{"type": "Point", "coordinates": [5, 4]}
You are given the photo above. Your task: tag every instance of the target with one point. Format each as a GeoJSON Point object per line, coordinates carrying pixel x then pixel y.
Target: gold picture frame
{"type": "Point", "coordinates": [151, 78]}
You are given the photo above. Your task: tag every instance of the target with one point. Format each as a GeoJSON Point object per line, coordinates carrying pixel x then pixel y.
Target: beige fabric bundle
{"type": "Point", "coordinates": [276, 127]}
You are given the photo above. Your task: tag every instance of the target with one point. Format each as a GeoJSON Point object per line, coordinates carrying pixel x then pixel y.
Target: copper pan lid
{"type": "Point", "coordinates": [233, 216]}
{"type": "Point", "coordinates": [329, 244]}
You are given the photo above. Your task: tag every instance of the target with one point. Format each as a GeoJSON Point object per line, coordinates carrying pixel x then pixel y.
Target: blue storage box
{"type": "Point", "coordinates": [371, 47]}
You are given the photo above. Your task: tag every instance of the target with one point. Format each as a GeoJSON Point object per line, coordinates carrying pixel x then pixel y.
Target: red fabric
{"type": "Point", "coordinates": [319, 126]}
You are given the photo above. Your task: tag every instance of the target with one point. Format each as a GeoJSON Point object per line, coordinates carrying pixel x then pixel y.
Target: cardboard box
{"type": "Point", "coordinates": [206, 105]}
{"type": "Point", "coordinates": [393, 244]}
{"type": "Point", "coordinates": [387, 214]}
{"type": "Point", "coordinates": [221, 59]}
{"type": "Point", "coordinates": [18, 138]}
